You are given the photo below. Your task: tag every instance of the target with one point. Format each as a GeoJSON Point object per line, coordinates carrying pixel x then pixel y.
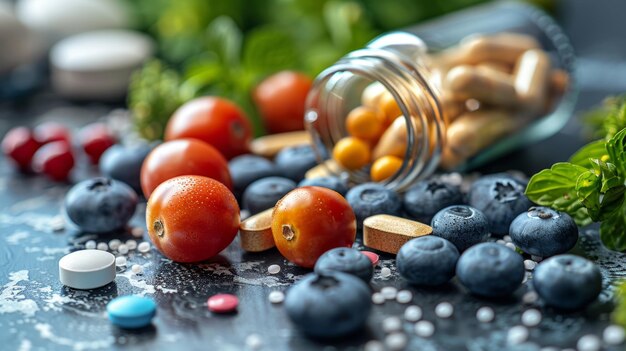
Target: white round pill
{"type": "Point", "coordinates": [276, 296]}
{"type": "Point", "coordinates": [444, 310]}
{"type": "Point", "coordinates": [517, 335]}
{"type": "Point", "coordinates": [143, 247]}
{"type": "Point", "coordinates": [378, 298]}
{"type": "Point", "coordinates": [396, 341]}
{"type": "Point", "coordinates": [531, 318]}
{"type": "Point", "coordinates": [120, 261]}
{"type": "Point", "coordinates": [413, 313]}
{"type": "Point", "coordinates": [273, 269]}
{"type": "Point", "coordinates": [485, 314]}
{"type": "Point", "coordinates": [385, 272]}
{"type": "Point", "coordinates": [589, 343]}
{"type": "Point", "coordinates": [123, 249]}
{"type": "Point", "coordinates": [374, 345]}
{"type": "Point", "coordinates": [114, 244]}
{"type": "Point", "coordinates": [102, 246]}
{"type": "Point", "coordinates": [424, 329]}
{"type": "Point", "coordinates": [404, 296]}
{"type": "Point", "coordinates": [91, 244]}
{"type": "Point", "coordinates": [87, 269]}
{"type": "Point", "coordinates": [389, 292]}
{"type": "Point", "coordinates": [131, 244]}
{"type": "Point", "coordinates": [137, 269]}
{"type": "Point", "coordinates": [392, 324]}
{"type": "Point", "coordinates": [614, 335]}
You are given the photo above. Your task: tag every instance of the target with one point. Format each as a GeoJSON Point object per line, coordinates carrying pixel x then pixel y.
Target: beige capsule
{"type": "Point", "coordinates": [502, 47]}
{"type": "Point", "coordinates": [270, 145]}
{"type": "Point", "coordinates": [532, 79]}
{"type": "Point", "coordinates": [325, 169]}
{"type": "Point", "coordinates": [388, 233]}
{"type": "Point", "coordinates": [483, 84]}
{"type": "Point", "coordinates": [371, 95]}
{"type": "Point", "coordinates": [559, 82]}
{"type": "Point", "coordinates": [497, 66]}
{"type": "Point", "coordinates": [474, 131]}
{"type": "Point", "coordinates": [394, 140]}
{"type": "Point", "coordinates": [255, 232]}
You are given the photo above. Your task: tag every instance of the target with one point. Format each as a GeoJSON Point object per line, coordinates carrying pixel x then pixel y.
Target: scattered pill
{"type": "Point", "coordinates": [276, 296]}
{"type": "Point", "coordinates": [444, 310]}
{"type": "Point", "coordinates": [589, 343]}
{"type": "Point", "coordinates": [270, 145]}
{"type": "Point", "coordinates": [511, 246]}
{"type": "Point", "coordinates": [517, 335]}
{"type": "Point", "coordinates": [404, 296]}
{"type": "Point", "coordinates": [137, 269]}
{"type": "Point", "coordinates": [396, 341]}
{"type": "Point", "coordinates": [255, 232]}
{"type": "Point", "coordinates": [614, 335]}
{"type": "Point", "coordinates": [388, 233]}
{"type": "Point", "coordinates": [531, 318]}
{"type": "Point", "coordinates": [123, 249]}
{"type": "Point", "coordinates": [273, 269]}
{"type": "Point", "coordinates": [374, 345]}
{"type": "Point", "coordinates": [120, 261]}
{"type": "Point", "coordinates": [378, 298]}
{"type": "Point", "coordinates": [392, 324]}
{"type": "Point", "coordinates": [254, 341]}
{"type": "Point", "coordinates": [389, 292]}
{"type": "Point", "coordinates": [87, 269]}
{"type": "Point", "coordinates": [102, 246]}
{"type": "Point", "coordinates": [90, 245]}
{"type": "Point", "coordinates": [507, 239]}
{"type": "Point", "coordinates": [143, 247]}
{"type": "Point", "coordinates": [485, 314]}
{"type": "Point", "coordinates": [137, 232]}
{"type": "Point", "coordinates": [530, 297]}
{"type": "Point", "coordinates": [222, 303]}
{"type": "Point", "coordinates": [131, 311]}
{"type": "Point", "coordinates": [385, 272]}
{"type": "Point", "coordinates": [114, 244]}
{"type": "Point", "coordinates": [131, 244]}
{"type": "Point", "coordinates": [424, 329]}
{"type": "Point", "coordinates": [530, 265]}
{"type": "Point", "coordinates": [372, 256]}
{"type": "Point", "coordinates": [413, 313]}
{"type": "Point", "coordinates": [500, 241]}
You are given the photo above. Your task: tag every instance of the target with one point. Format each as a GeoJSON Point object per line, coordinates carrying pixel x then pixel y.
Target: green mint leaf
{"type": "Point", "coordinates": [224, 39]}
{"type": "Point", "coordinates": [616, 149]}
{"type": "Point", "coordinates": [595, 149]}
{"type": "Point", "coordinates": [612, 233]}
{"type": "Point", "coordinates": [601, 190]}
{"type": "Point", "coordinates": [556, 188]}
{"type": "Point", "coordinates": [269, 49]}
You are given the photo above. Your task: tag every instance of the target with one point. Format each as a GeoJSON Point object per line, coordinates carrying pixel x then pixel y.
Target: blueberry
{"type": "Point", "coordinates": [427, 260]}
{"type": "Point", "coordinates": [328, 304]}
{"type": "Point", "coordinates": [245, 169]}
{"type": "Point", "coordinates": [100, 205]}
{"type": "Point", "coordinates": [463, 225]}
{"type": "Point", "coordinates": [123, 163]}
{"type": "Point", "coordinates": [264, 193]}
{"type": "Point", "coordinates": [424, 199]}
{"type": "Point", "coordinates": [544, 232]}
{"type": "Point", "coordinates": [347, 260]}
{"type": "Point", "coordinates": [490, 270]}
{"type": "Point", "coordinates": [501, 198]}
{"type": "Point", "coordinates": [370, 199]}
{"type": "Point", "coordinates": [294, 161]}
{"type": "Point", "coordinates": [332, 183]}
{"type": "Point", "coordinates": [567, 282]}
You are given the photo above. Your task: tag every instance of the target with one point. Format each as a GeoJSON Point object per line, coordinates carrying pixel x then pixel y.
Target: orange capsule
{"type": "Point", "coordinates": [389, 107]}
{"type": "Point", "coordinates": [365, 123]}
{"type": "Point", "coordinates": [385, 167]}
{"type": "Point", "coordinates": [352, 153]}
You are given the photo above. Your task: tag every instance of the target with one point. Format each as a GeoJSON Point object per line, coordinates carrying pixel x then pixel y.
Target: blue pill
{"type": "Point", "coordinates": [131, 311]}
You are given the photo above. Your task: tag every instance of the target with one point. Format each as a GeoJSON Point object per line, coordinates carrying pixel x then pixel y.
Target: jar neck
{"type": "Point", "coordinates": [409, 82]}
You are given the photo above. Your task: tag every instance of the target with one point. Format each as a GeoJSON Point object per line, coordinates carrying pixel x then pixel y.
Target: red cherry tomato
{"type": "Point", "coordinates": [215, 121]}
{"type": "Point", "coordinates": [19, 144]}
{"type": "Point", "coordinates": [183, 157]}
{"type": "Point", "coordinates": [48, 132]}
{"type": "Point", "coordinates": [95, 139]}
{"type": "Point", "coordinates": [192, 218]}
{"type": "Point", "coordinates": [311, 220]}
{"type": "Point", "coordinates": [280, 100]}
{"type": "Point", "coordinates": [55, 160]}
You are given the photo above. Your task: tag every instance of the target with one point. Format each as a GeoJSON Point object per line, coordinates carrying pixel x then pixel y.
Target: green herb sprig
{"type": "Point", "coordinates": [590, 188]}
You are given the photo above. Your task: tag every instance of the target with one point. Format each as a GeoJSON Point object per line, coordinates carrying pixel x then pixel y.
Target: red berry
{"type": "Point", "coordinates": [48, 132]}
{"type": "Point", "coordinates": [55, 160]}
{"type": "Point", "coordinates": [222, 303]}
{"type": "Point", "coordinates": [95, 139]}
{"type": "Point", "coordinates": [20, 145]}
{"type": "Point", "coordinates": [372, 256]}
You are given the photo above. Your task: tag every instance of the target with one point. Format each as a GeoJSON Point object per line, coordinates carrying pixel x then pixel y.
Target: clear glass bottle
{"type": "Point", "coordinates": [413, 67]}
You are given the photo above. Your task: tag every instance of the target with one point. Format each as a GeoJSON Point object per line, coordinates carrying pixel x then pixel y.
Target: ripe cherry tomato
{"type": "Point", "coordinates": [95, 139]}
{"type": "Point", "coordinates": [48, 132]}
{"type": "Point", "coordinates": [280, 100]}
{"type": "Point", "coordinates": [183, 157]}
{"type": "Point", "coordinates": [20, 145]}
{"type": "Point", "coordinates": [55, 160]}
{"type": "Point", "coordinates": [311, 220]}
{"type": "Point", "coordinates": [192, 218]}
{"type": "Point", "coordinates": [215, 121]}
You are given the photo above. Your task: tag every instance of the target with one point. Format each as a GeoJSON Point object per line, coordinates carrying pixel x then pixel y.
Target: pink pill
{"type": "Point", "coordinates": [223, 303]}
{"type": "Point", "coordinates": [372, 256]}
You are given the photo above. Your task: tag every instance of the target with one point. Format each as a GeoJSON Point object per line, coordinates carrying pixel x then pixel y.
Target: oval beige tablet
{"type": "Point", "coordinates": [388, 233]}
{"type": "Point", "coordinates": [255, 232]}
{"type": "Point", "coordinates": [270, 145]}
{"type": "Point", "coordinates": [532, 80]}
{"type": "Point", "coordinates": [483, 84]}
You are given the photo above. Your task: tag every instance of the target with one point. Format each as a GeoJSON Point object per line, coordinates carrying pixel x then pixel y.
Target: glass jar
{"type": "Point", "coordinates": [442, 122]}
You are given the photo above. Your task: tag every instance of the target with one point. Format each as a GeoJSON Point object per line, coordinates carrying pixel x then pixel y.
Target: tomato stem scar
{"type": "Point", "coordinates": [158, 228]}
{"type": "Point", "coordinates": [288, 232]}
